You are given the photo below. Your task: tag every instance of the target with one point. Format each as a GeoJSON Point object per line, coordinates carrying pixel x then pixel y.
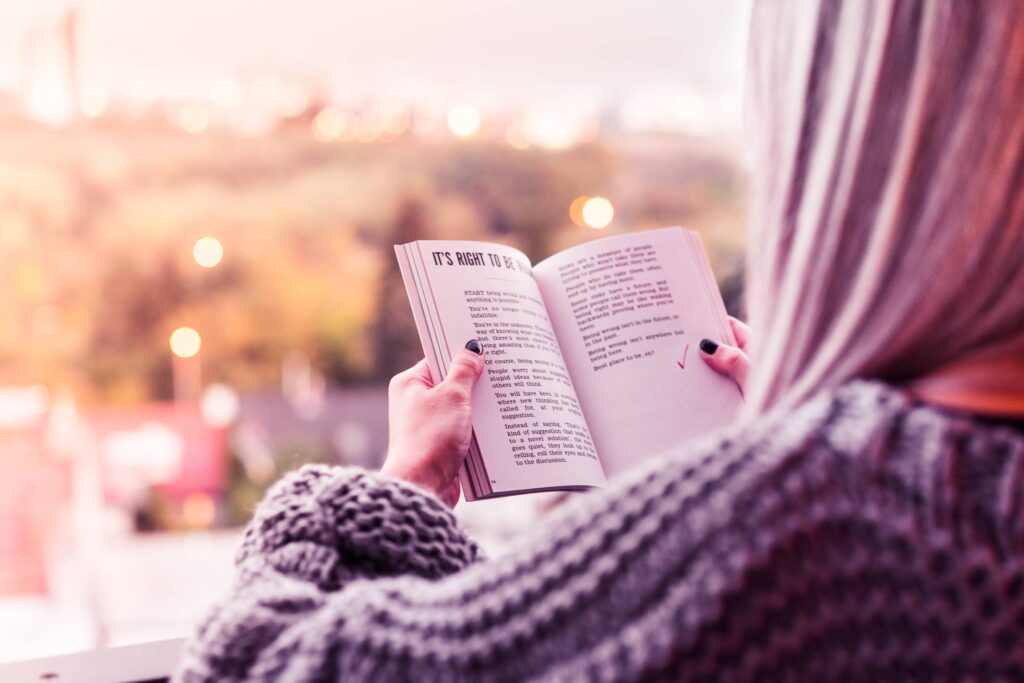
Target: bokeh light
{"type": "Point", "coordinates": [517, 138]}
{"type": "Point", "coordinates": [208, 252]}
{"type": "Point", "coordinates": [185, 342]}
{"type": "Point", "coordinates": [219, 405]}
{"type": "Point", "coordinates": [94, 103]}
{"type": "Point", "coordinates": [198, 511]}
{"type": "Point", "coordinates": [331, 123]}
{"type": "Point", "coordinates": [552, 127]}
{"type": "Point", "coordinates": [464, 120]}
{"type": "Point", "coordinates": [597, 212]}
{"type": "Point", "coordinates": [193, 118]}
{"type": "Point", "coordinates": [576, 210]}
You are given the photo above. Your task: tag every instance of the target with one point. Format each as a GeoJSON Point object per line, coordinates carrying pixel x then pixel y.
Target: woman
{"type": "Point", "coordinates": [865, 521]}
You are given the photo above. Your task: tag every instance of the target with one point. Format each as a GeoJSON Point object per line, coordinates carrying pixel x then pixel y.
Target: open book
{"type": "Point", "coordinates": [591, 355]}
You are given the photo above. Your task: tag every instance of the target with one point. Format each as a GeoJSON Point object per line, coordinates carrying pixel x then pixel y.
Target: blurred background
{"type": "Point", "coordinates": [198, 293]}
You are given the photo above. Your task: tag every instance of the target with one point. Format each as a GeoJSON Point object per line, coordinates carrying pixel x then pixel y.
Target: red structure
{"type": "Point", "coordinates": [168, 447]}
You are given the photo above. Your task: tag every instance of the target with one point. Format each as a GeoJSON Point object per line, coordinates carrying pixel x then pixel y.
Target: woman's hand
{"type": "Point", "coordinates": [727, 360]}
{"type": "Point", "coordinates": [429, 427]}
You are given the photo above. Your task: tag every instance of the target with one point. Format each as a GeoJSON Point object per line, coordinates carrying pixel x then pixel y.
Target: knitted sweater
{"type": "Point", "coordinates": [859, 537]}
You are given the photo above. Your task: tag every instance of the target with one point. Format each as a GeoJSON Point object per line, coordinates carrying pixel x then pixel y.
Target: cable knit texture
{"type": "Point", "coordinates": [861, 537]}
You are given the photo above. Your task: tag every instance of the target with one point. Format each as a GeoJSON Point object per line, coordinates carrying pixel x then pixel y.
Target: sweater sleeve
{"type": "Point", "coordinates": [331, 525]}
{"type": "Point", "coordinates": [316, 531]}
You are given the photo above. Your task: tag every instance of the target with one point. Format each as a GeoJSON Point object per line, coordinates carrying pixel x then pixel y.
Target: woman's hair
{"type": "Point", "coordinates": [887, 230]}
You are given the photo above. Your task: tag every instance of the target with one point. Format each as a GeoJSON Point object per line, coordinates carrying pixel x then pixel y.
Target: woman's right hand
{"type": "Point", "coordinates": [429, 424]}
{"type": "Point", "coordinates": [727, 360]}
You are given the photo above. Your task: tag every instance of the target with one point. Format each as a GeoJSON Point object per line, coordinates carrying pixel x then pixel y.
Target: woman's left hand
{"type": "Point", "coordinates": [429, 426]}
{"type": "Point", "coordinates": [731, 361]}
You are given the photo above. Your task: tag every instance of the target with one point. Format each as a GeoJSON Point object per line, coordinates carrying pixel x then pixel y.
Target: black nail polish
{"type": "Point", "coordinates": [709, 347]}
{"type": "Point", "coordinates": [475, 346]}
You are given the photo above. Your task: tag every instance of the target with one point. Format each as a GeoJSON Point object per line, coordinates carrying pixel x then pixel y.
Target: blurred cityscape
{"type": "Point", "coordinates": [198, 293]}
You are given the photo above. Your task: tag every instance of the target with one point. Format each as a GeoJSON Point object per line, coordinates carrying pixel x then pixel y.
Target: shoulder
{"type": "Point", "coordinates": [870, 449]}
{"type": "Point", "coordinates": [847, 419]}
{"type": "Point", "coordinates": [868, 422]}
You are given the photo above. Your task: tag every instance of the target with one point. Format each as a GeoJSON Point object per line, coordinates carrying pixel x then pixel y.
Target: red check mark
{"type": "Point", "coordinates": [682, 363]}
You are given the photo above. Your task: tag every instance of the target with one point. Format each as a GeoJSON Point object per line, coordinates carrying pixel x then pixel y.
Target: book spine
{"type": "Point", "coordinates": [472, 475]}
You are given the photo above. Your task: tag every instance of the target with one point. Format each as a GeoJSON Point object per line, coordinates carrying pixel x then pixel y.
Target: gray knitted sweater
{"type": "Point", "coordinates": [860, 537]}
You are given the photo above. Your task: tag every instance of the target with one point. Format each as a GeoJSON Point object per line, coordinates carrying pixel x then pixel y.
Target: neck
{"type": "Point", "coordinates": [991, 386]}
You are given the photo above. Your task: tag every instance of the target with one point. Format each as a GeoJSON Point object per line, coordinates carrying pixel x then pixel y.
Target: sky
{"type": "Point", "coordinates": [503, 49]}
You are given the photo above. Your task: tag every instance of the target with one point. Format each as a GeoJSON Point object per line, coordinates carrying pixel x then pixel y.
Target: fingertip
{"type": "Point", "coordinates": [708, 347]}
{"type": "Point", "coordinates": [467, 362]}
{"type": "Point", "coordinates": [718, 356]}
{"type": "Point", "coordinates": [474, 350]}
{"type": "Point", "coordinates": [473, 358]}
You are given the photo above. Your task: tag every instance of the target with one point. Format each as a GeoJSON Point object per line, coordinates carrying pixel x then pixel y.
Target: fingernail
{"type": "Point", "coordinates": [709, 347]}
{"type": "Point", "coordinates": [475, 346]}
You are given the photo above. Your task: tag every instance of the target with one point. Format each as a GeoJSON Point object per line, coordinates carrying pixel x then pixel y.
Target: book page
{"type": "Point", "coordinates": [629, 312]}
{"type": "Point", "coordinates": [529, 428]}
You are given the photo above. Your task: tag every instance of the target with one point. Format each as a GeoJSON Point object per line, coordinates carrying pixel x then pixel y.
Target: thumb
{"type": "Point", "coordinates": [726, 360]}
{"type": "Point", "coordinates": [466, 367]}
